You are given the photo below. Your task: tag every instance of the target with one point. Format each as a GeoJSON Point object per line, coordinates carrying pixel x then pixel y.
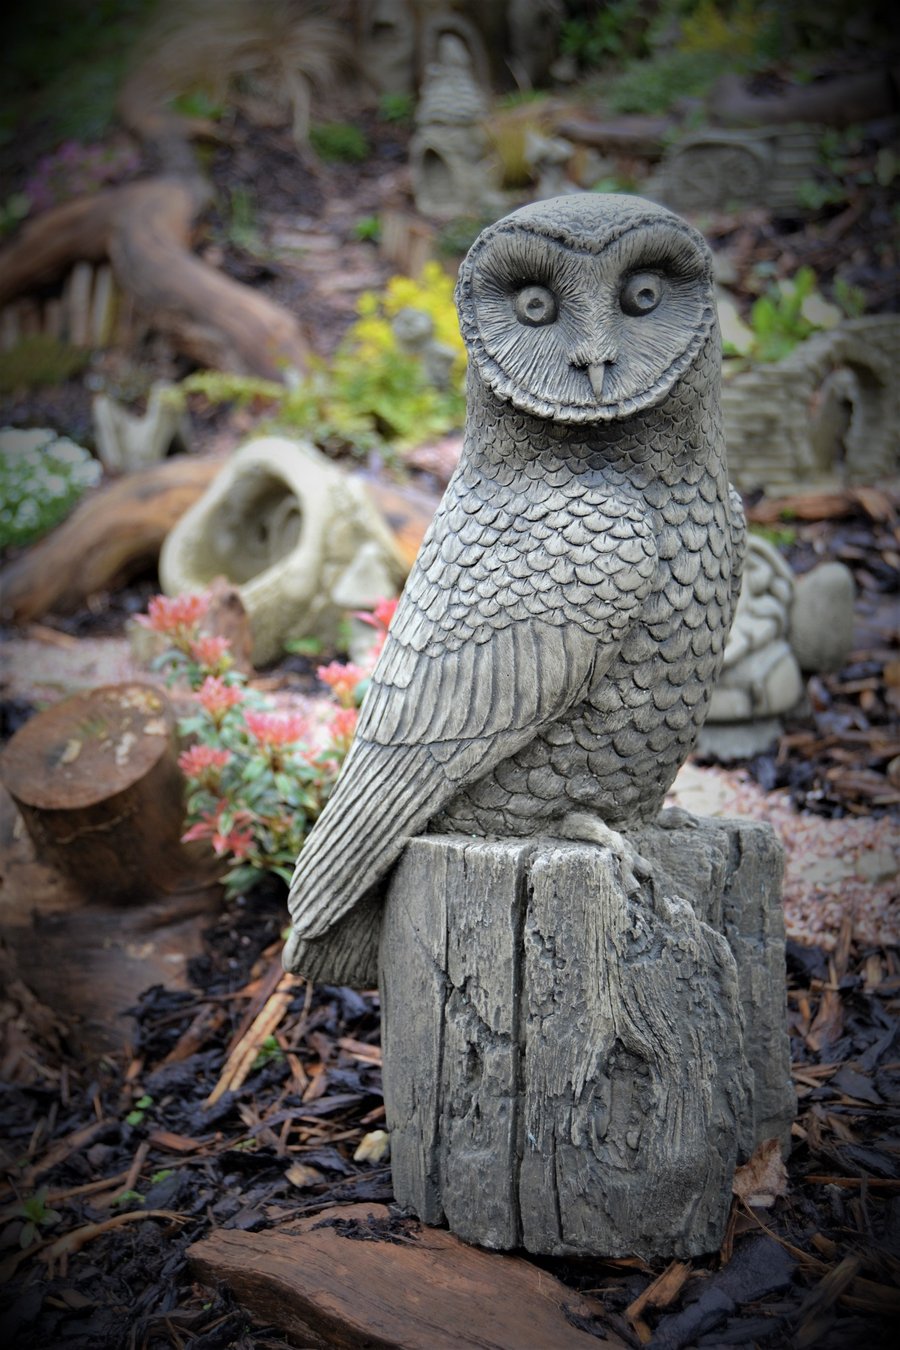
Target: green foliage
{"type": "Point", "coordinates": [138, 1112]}
{"type": "Point", "coordinates": [459, 234]}
{"type": "Point", "coordinates": [338, 142]}
{"type": "Point", "coordinates": [785, 316]}
{"type": "Point", "coordinates": [128, 1198]}
{"type": "Point", "coordinates": [783, 536]}
{"type": "Point", "coordinates": [813, 193]}
{"type": "Point", "coordinates": [850, 299]}
{"type": "Point", "coordinates": [161, 1175]}
{"type": "Point", "coordinates": [654, 85]}
{"type": "Point", "coordinates": [614, 183]}
{"type": "Point", "coordinates": [37, 1214]}
{"type": "Point", "coordinates": [41, 479]}
{"type": "Point", "coordinates": [12, 212]}
{"type": "Point", "coordinates": [372, 394]}
{"type": "Point", "coordinates": [241, 228]}
{"type": "Point", "coordinates": [619, 29]}
{"type": "Point", "coordinates": [198, 103]}
{"type": "Point", "coordinates": [368, 228]}
{"type": "Point", "coordinates": [39, 360]}
{"type": "Point", "coordinates": [65, 62]}
{"type": "Point", "coordinates": [269, 1052]}
{"type": "Point", "coordinates": [396, 108]}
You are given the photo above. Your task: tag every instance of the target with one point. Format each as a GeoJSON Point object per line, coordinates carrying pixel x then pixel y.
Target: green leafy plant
{"type": "Point", "coordinates": [41, 478]}
{"type": "Point", "coordinates": [241, 227]}
{"type": "Point", "coordinates": [850, 299]}
{"type": "Point", "coordinates": [783, 536]}
{"type": "Point", "coordinates": [128, 1198]}
{"type": "Point", "coordinates": [396, 108]}
{"type": "Point", "coordinates": [368, 228]}
{"type": "Point", "coordinates": [37, 1214]}
{"type": "Point", "coordinates": [198, 103]}
{"type": "Point", "coordinates": [13, 211]}
{"type": "Point", "coordinates": [40, 360]}
{"type": "Point", "coordinates": [257, 778]}
{"type": "Point", "coordinates": [372, 394]}
{"type": "Point", "coordinates": [138, 1112]}
{"type": "Point", "coordinates": [654, 85]}
{"type": "Point", "coordinates": [814, 193]}
{"type": "Point", "coordinates": [269, 1052]}
{"type": "Point", "coordinates": [619, 29]}
{"type": "Point", "coordinates": [787, 315]}
{"type": "Point", "coordinates": [338, 142]}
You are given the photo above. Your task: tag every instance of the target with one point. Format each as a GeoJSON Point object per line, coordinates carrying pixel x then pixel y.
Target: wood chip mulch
{"type": "Point", "coordinates": [247, 1101]}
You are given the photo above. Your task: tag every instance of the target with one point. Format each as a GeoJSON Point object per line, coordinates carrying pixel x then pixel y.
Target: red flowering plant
{"type": "Point", "coordinates": [257, 776]}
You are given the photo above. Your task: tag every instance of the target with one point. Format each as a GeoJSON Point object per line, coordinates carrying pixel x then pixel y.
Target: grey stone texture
{"type": "Point", "coordinates": [719, 169]}
{"type": "Point", "coordinates": [302, 542]}
{"type": "Point", "coordinates": [555, 648]}
{"type": "Point", "coordinates": [574, 1067]}
{"type": "Point", "coordinates": [829, 411]}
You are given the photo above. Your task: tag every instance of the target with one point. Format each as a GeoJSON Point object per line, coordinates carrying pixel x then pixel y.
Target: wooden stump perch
{"type": "Point", "coordinates": [573, 1069]}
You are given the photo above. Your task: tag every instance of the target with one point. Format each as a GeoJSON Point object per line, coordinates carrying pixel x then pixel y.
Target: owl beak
{"type": "Point", "coordinates": [597, 375]}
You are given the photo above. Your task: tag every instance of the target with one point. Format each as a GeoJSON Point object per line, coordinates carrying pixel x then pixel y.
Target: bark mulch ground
{"type": "Point", "coordinates": [246, 1100]}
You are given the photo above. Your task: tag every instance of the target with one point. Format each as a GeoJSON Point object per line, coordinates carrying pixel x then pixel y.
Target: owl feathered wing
{"type": "Point", "coordinates": [442, 711]}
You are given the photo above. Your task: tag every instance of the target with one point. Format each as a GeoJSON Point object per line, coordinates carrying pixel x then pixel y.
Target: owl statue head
{"type": "Point", "coordinates": [586, 308]}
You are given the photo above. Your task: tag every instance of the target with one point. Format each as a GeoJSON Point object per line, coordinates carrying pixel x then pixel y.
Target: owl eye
{"type": "Point", "coordinates": [535, 306]}
{"type": "Point", "coordinates": [641, 293]}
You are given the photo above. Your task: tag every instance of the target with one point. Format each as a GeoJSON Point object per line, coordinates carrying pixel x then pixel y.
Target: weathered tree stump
{"type": "Point", "coordinates": [574, 1069]}
{"type": "Point", "coordinates": [97, 784]}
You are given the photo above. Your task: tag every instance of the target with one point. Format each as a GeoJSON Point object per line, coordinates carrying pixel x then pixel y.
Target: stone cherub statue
{"type": "Point", "coordinates": [555, 649]}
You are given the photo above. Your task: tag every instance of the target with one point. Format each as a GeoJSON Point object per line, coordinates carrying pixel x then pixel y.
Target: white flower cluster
{"type": "Point", "coordinates": [41, 478]}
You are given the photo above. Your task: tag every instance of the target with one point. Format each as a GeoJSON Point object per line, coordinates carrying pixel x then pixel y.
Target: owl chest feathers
{"type": "Point", "coordinates": [643, 565]}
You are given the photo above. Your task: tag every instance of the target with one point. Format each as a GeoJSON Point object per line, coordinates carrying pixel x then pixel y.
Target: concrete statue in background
{"type": "Point", "coordinates": [302, 542]}
{"type": "Point", "coordinates": [452, 170]}
{"type": "Point", "coordinates": [563, 970]}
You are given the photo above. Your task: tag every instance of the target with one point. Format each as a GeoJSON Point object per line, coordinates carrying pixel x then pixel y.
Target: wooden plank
{"type": "Point", "coordinates": [358, 1276]}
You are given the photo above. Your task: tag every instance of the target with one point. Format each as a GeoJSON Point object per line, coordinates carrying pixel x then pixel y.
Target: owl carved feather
{"type": "Point", "coordinates": [555, 647]}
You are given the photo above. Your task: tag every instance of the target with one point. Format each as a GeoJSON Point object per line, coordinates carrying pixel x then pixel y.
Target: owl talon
{"type": "Point", "coordinates": [677, 818]}
{"type": "Point", "coordinates": [633, 868]}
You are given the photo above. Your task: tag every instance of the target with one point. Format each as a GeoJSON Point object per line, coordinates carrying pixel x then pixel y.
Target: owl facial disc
{"type": "Point", "coordinates": [586, 308]}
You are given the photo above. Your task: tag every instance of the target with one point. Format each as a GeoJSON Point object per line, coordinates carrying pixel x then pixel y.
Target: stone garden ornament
{"type": "Point", "coordinates": [547, 671]}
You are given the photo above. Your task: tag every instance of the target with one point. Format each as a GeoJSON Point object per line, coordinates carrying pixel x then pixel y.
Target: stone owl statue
{"type": "Point", "coordinates": [553, 655]}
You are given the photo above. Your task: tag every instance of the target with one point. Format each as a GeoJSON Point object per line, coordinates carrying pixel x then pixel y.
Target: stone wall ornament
{"type": "Point", "coordinates": [127, 441]}
{"type": "Point", "coordinates": [829, 411]}
{"type": "Point", "coordinates": [452, 171]}
{"type": "Point", "coordinates": [722, 170]}
{"type": "Point", "coordinates": [547, 671]}
{"type": "Point", "coordinates": [301, 540]}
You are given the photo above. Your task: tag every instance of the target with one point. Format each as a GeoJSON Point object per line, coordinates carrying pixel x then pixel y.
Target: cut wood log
{"type": "Point", "coordinates": [361, 1276]}
{"type": "Point", "coordinates": [88, 960]}
{"type": "Point", "coordinates": [113, 535]}
{"type": "Point", "coordinates": [98, 786]}
{"type": "Point", "coordinates": [573, 1068]}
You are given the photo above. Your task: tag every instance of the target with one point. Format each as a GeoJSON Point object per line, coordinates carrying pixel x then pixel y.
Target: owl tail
{"type": "Point", "coordinates": [384, 795]}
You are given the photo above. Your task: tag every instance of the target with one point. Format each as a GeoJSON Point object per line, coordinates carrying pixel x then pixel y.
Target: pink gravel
{"type": "Point", "coordinates": [832, 867]}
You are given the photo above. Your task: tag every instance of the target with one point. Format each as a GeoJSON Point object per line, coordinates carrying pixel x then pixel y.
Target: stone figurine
{"type": "Point", "coordinates": [452, 171]}
{"type": "Point", "coordinates": [555, 649]}
{"type": "Point", "coordinates": [304, 544]}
